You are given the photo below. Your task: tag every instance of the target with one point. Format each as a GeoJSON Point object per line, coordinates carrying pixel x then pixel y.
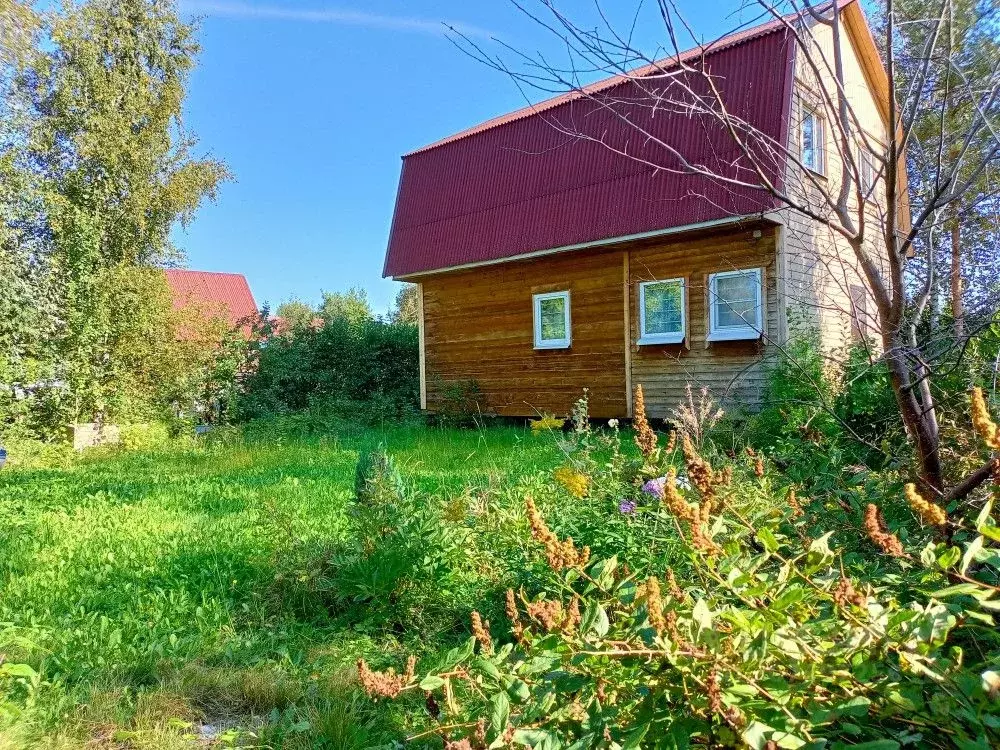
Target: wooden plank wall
{"type": "Point", "coordinates": [732, 370]}
{"type": "Point", "coordinates": [478, 326]}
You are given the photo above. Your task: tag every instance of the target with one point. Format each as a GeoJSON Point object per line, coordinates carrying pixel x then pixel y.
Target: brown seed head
{"type": "Point", "coordinates": [645, 437]}
{"type": "Point", "coordinates": [560, 555]}
{"type": "Point", "coordinates": [929, 513]}
{"type": "Point", "coordinates": [385, 684]}
{"type": "Point", "coordinates": [793, 503]}
{"type": "Point", "coordinates": [982, 420]}
{"type": "Point", "coordinates": [883, 539]}
{"type": "Point", "coordinates": [654, 605]}
{"type": "Point", "coordinates": [481, 632]}
{"type": "Point", "coordinates": [845, 594]}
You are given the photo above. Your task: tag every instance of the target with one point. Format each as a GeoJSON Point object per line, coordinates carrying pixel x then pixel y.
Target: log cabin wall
{"type": "Point", "coordinates": [732, 370]}
{"type": "Point", "coordinates": [478, 326]}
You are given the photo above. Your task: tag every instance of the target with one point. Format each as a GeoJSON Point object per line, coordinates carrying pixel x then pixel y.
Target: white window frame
{"type": "Point", "coordinates": [735, 333]}
{"type": "Point", "coordinates": [536, 306]}
{"type": "Point", "coordinates": [662, 338]}
{"type": "Point", "coordinates": [819, 140]}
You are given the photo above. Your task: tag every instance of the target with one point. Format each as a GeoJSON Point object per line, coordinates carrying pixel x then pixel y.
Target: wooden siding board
{"type": "Point", "coordinates": [733, 370]}
{"type": "Point", "coordinates": [478, 326]}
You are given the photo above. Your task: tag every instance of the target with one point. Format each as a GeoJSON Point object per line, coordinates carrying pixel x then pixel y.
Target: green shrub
{"type": "Point", "coordinates": [144, 437]}
{"type": "Point", "coordinates": [365, 370]}
{"type": "Point", "coordinates": [409, 564]}
{"type": "Point", "coordinates": [822, 413]}
{"type": "Point", "coordinates": [762, 633]}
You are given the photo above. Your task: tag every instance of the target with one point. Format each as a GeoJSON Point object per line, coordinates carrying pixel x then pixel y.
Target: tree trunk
{"type": "Point", "coordinates": [920, 420]}
{"type": "Point", "coordinates": [957, 305]}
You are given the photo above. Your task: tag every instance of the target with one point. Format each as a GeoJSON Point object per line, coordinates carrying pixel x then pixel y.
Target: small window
{"type": "Point", "coordinates": [859, 312]}
{"type": "Point", "coordinates": [866, 172]}
{"type": "Point", "coordinates": [661, 312]}
{"type": "Point", "coordinates": [735, 305]}
{"type": "Point", "coordinates": [552, 326]}
{"type": "Point", "coordinates": [813, 141]}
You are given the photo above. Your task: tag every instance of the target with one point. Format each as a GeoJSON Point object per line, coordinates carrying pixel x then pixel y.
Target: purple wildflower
{"type": "Point", "coordinates": [655, 487]}
{"type": "Point", "coordinates": [627, 507]}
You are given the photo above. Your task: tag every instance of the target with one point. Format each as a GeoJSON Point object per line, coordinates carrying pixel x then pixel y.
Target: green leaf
{"type": "Point", "coordinates": [487, 667]}
{"type": "Point", "coordinates": [949, 557]}
{"type": "Point", "coordinates": [596, 619]}
{"type": "Point", "coordinates": [520, 690]}
{"type": "Point", "coordinates": [957, 590]}
{"type": "Point", "coordinates": [431, 682]}
{"type": "Point", "coordinates": [499, 712]}
{"type": "Point", "coordinates": [984, 514]}
{"type": "Point", "coordinates": [756, 735]}
{"type": "Point", "coordinates": [456, 655]}
{"type": "Point", "coordinates": [989, 531]}
{"type": "Point", "coordinates": [820, 555]}
{"type": "Point", "coordinates": [970, 554]}
{"type": "Point", "coordinates": [18, 670]}
{"type": "Point", "coordinates": [702, 616]}
{"type": "Point", "coordinates": [538, 738]}
{"type": "Point", "coordinates": [767, 539]}
{"type": "Point", "coordinates": [876, 745]}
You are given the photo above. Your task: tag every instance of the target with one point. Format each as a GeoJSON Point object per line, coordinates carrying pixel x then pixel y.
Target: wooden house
{"type": "Point", "coordinates": [548, 262]}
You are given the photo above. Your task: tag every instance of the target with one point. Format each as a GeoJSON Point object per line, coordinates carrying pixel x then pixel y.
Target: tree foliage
{"type": "Point", "coordinates": [95, 170]}
{"type": "Point", "coordinates": [406, 308]}
{"type": "Point", "coordinates": [352, 306]}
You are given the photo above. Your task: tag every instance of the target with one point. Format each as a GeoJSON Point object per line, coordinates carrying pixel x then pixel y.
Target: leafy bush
{"type": "Point", "coordinates": [145, 436]}
{"type": "Point", "coordinates": [762, 634]}
{"type": "Point", "coordinates": [821, 414]}
{"type": "Point", "coordinates": [409, 565]}
{"type": "Point", "coordinates": [365, 369]}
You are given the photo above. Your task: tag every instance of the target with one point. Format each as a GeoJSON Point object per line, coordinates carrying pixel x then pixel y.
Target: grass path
{"type": "Point", "coordinates": [141, 587]}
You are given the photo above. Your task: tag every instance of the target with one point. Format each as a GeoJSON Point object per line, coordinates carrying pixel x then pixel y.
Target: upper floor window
{"type": "Point", "coordinates": [552, 321]}
{"type": "Point", "coordinates": [812, 141]}
{"type": "Point", "coordinates": [736, 308]}
{"type": "Point", "coordinates": [661, 312]}
{"type": "Point", "coordinates": [866, 171]}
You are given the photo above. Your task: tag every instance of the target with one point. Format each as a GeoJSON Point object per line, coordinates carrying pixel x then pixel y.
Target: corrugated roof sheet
{"type": "Point", "coordinates": [226, 294]}
{"type": "Point", "coordinates": [527, 182]}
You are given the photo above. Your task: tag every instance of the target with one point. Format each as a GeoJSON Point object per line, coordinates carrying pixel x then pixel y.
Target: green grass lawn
{"type": "Point", "coordinates": [154, 593]}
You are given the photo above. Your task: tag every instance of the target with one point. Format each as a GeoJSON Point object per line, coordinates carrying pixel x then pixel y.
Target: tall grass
{"type": "Point", "coordinates": [154, 593]}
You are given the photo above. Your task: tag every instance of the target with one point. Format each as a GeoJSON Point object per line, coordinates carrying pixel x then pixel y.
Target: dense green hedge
{"type": "Point", "coordinates": [367, 368]}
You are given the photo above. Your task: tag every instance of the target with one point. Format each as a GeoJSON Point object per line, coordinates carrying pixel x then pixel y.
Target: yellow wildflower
{"type": "Point", "coordinates": [576, 483]}
{"type": "Point", "coordinates": [547, 422]}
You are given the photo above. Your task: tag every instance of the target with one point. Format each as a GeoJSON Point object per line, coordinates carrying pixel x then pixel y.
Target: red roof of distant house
{"type": "Point", "coordinates": [225, 294]}
{"type": "Point", "coordinates": [524, 182]}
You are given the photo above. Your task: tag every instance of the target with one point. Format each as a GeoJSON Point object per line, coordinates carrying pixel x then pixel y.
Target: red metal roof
{"type": "Point", "coordinates": [224, 294]}
{"type": "Point", "coordinates": [525, 182]}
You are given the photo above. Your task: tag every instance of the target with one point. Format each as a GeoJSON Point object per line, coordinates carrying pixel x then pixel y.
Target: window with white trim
{"type": "Point", "coordinates": [736, 308]}
{"type": "Point", "coordinates": [661, 311]}
{"type": "Point", "coordinates": [812, 141]}
{"type": "Point", "coordinates": [552, 320]}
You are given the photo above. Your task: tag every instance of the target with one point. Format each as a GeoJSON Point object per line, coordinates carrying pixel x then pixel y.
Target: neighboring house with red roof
{"type": "Point", "coordinates": [216, 295]}
{"type": "Point", "coordinates": [548, 263]}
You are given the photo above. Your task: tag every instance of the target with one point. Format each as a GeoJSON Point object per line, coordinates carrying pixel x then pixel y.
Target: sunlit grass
{"type": "Point", "coordinates": [139, 586]}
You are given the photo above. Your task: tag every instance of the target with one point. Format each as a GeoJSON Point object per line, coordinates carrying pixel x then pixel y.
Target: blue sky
{"type": "Point", "coordinates": [312, 104]}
